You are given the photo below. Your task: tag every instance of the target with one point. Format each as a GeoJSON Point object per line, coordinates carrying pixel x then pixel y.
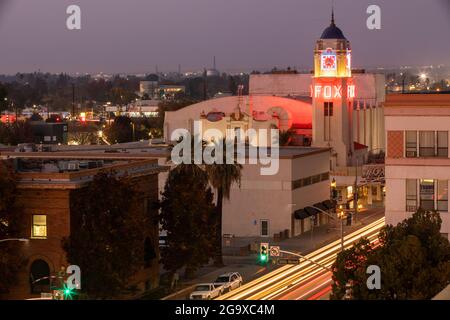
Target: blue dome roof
{"type": "Point", "coordinates": [332, 32]}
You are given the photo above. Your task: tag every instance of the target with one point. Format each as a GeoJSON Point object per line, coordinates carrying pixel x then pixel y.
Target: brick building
{"type": "Point", "coordinates": [47, 186]}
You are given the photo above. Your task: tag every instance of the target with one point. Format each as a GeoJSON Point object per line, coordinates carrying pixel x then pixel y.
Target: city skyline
{"type": "Point", "coordinates": [240, 34]}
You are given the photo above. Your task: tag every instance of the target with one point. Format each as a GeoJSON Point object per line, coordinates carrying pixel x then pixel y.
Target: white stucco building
{"type": "Point", "coordinates": [265, 205]}
{"type": "Point", "coordinates": [417, 159]}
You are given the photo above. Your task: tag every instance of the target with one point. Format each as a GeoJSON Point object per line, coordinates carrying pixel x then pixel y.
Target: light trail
{"type": "Point", "coordinates": [285, 279]}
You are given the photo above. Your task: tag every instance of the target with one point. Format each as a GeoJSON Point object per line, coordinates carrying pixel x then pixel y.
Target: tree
{"type": "Point", "coordinates": [286, 137]}
{"type": "Point", "coordinates": [107, 235]}
{"type": "Point", "coordinates": [187, 215]}
{"type": "Point", "coordinates": [3, 97]}
{"type": "Point", "coordinates": [120, 131]}
{"type": "Point", "coordinates": [222, 176]}
{"type": "Point", "coordinates": [15, 133]}
{"type": "Point", "coordinates": [11, 220]}
{"type": "Point", "coordinates": [413, 256]}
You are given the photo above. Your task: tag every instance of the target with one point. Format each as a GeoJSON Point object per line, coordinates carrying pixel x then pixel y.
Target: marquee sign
{"type": "Point", "coordinates": [373, 172]}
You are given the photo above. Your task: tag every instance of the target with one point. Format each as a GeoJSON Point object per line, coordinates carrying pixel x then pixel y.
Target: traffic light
{"type": "Point", "coordinates": [264, 253]}
{"type": "Point", "coordinates": [68, 293]}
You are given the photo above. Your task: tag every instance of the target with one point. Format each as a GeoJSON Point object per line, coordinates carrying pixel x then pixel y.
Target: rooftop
{"type": "Point", "coordinates": [132, 151]}
{"type": "Point", "coordinates": [417, 99]}
{"type": "Point", "coordinates": [62, 173]}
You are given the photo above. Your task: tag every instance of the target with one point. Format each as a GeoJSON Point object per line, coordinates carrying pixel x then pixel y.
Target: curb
{"type": "Point", "coordinates": [178, 293]}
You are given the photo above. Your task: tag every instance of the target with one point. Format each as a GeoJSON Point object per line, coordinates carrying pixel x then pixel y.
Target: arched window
{"type": "Point", "coordinates": [39, 276]}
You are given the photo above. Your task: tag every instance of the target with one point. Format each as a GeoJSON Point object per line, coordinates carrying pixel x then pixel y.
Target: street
{"type": "Point", "coordinates": [306, 281]}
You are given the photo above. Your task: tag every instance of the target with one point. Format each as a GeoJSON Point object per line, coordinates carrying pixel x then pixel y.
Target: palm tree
{"type": "Point", "coordinates": [221, 177]}
{"type": "Point", "coordinates": [286, 137]}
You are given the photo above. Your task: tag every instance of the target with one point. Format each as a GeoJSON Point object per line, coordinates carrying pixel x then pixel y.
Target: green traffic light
{"type": "Point", "coordinates": [263, 258]}
{"type": "Point", "coordinates": [68, 293]}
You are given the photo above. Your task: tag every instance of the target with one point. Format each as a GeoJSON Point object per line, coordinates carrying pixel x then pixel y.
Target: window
{"type": "Point", "coordinates": [300, 183]}
{"type": "Point", "coordinates": [411, 144]}
{"type": "Point", "coordinates": [427, 194]}
{"type": "Point", "coordinates": [264, 228]}
{"type": "Point", "coordinates": [411, 195]}
{"type": "Point", "coordinates": [426, 143]}
{"type": "Point", "coordinates": [315, 179]}
{"type": "Point", "coordinates": [306, 181]}
{"type": "Point", "coordinates": [442, 144]}
{"type": "Point", "coordinates": [328, 109]}
{"type": "Point", "coordinates": [39, 227]}
{"type": "Point", "coordinates": [442, 195]}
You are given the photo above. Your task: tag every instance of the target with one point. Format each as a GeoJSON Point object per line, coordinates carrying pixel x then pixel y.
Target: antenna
{"type": "Point", "coordinates": [214, 63]}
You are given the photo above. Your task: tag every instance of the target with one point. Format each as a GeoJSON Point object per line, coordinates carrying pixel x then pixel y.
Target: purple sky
{"type": "Point", "coordinates": [135, 35]}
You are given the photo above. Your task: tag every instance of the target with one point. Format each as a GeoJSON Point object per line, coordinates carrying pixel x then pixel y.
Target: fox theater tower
{"type": "Point", "coordinates": [332, 94]}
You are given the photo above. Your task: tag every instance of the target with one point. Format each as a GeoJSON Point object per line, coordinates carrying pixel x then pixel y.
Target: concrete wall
{"type": "Point", "coordinates": [272, 197]}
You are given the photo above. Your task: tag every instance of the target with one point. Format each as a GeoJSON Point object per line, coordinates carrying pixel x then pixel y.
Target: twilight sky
{"type": "Point", "coordinates": [135, 35]}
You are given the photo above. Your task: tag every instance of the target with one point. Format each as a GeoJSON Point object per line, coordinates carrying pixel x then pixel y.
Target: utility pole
{"type": "Point", "coordinates": [205, 85]}
{"type": "Point", "coordinates": [73, 99]}
{"type": "Point", "coordinates": [355, 194]}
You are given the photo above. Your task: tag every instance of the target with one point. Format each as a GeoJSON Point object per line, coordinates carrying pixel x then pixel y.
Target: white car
{"type": "Point", "coordinates": [207, 291]}
{"type": "Point", "coordinates": [230, 281]}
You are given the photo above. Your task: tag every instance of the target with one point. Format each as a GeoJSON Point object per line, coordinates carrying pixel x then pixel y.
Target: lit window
{"type": "Point", "coordinates": [39, 227]}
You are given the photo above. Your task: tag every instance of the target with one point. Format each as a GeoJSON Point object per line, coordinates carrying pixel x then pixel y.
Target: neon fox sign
{"type": "Point", "coordinates": [331, 91]}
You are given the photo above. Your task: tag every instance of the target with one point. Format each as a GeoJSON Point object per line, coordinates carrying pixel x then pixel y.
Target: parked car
{"type": "Point", "coordinates": [230, 281]}
{"type": "Point", "coordinates": [207, 291]}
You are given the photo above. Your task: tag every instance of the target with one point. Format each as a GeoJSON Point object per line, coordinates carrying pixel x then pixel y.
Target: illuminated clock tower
{"type": "Point", "coordinates": [332, 92]}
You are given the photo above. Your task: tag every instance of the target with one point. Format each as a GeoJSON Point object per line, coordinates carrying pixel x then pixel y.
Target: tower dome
{"type": "Point", "coordinates": [332, 31]}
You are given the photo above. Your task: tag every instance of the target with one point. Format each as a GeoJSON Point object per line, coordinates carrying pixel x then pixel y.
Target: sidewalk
{"type": "Point", "coordinates": [247, 265]}
{"type": "Point", "coordinates": [309, 241]}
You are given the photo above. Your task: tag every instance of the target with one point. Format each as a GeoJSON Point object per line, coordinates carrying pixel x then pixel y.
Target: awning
{"type": "Point", "coordinates": [310, 211]}
{"type": "Point", "coordinates": [321, 206]}
{"type": "Point", "coordinates": [300, 214]}
{"type": "Point", "coordinates": [329, 204]}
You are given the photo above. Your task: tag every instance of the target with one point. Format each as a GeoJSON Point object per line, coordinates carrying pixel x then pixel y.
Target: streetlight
{"type": "Point", "coordinates": [15, 239]}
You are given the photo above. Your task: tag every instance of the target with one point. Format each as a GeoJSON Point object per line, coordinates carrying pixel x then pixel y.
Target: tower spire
{"type": "Point", "coordinates": [332, 13]}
